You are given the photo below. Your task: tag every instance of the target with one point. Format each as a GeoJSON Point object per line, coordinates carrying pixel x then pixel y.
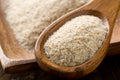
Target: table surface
{"type": "Point", "coordinates": [108, 70]}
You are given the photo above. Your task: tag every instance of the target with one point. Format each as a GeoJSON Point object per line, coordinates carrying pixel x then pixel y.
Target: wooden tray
{"type": "Point", "coordinates": [15, 61]}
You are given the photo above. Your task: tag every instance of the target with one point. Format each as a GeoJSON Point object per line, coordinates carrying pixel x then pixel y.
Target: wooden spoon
{"type": "Point", "coordinates": [105, 11]}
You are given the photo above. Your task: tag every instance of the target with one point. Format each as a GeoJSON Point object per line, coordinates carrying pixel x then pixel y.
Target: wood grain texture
{"type": "Point", "coordinates": [106, 13]}
{"type": "Point", "coordinates": [17, 61]}
{"type": "Point", "coordinates": [114, 48]}
{"type": "Point", "coordinates": [116, 31]}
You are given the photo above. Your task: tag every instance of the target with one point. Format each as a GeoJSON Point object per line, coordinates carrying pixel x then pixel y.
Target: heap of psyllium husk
{"type": "Point", "coordinates": [76, 41]}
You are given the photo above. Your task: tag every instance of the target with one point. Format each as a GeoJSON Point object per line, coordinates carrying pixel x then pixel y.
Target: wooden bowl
{"type": "Point", "coordinates": [92, 63]}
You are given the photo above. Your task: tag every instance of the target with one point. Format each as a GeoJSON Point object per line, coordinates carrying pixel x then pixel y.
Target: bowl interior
{"type": "Point", "coordinates": [84, 68]}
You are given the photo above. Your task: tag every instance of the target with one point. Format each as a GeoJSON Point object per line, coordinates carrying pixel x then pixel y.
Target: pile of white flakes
{"type": "Point", "coordinates": [76, 41]}
{"type": "Point", "coordinates": [28, 18]}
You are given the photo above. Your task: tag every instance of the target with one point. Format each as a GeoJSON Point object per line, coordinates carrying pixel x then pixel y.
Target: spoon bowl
{"type": "Point", "coordinates": [79, 70]}
{"type": "Point", "coordinates": [92, 63]}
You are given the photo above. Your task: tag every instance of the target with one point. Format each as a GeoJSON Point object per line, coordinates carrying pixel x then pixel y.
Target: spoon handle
{"type": "Point", "coordinates": [110, 10]}
{"type": "Point", "coordinates": [114, 48]}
